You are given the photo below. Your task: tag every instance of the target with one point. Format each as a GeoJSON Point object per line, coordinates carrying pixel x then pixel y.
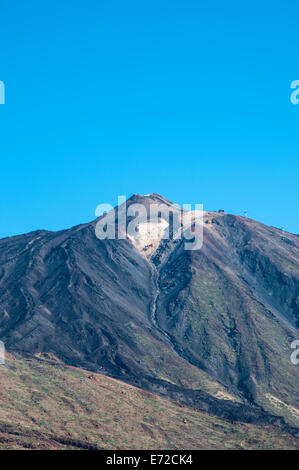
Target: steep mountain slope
{"type": "Point", "coordinates": [210, 328]}
{"type": "Point", "coordinates": [232, 307]}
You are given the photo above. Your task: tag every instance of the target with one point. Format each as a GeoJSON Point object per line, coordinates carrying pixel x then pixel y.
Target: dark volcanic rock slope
{"type": "Point", "coordinates": [232, 308]}
{"type": "Point", "coordinates": [211, 328]}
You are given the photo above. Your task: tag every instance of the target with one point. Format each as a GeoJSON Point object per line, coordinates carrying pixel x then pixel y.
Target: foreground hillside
{"type": "Point", "coordinates": [47, 405]}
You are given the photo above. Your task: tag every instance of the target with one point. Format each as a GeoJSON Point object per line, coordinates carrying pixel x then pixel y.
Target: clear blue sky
{"type": "Point", "coordinates": [190, 99]}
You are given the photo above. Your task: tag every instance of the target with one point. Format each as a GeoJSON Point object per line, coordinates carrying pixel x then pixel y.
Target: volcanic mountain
{"type": "Point", "coordinates": [210, 328]}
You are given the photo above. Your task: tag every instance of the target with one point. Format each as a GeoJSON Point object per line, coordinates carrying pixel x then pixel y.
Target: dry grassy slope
{"type": "Point", "coordinates": [47, 405]}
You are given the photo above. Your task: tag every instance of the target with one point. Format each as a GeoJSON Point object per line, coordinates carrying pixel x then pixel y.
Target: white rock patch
{"type": "Point", "coordinates": [148, 236]}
